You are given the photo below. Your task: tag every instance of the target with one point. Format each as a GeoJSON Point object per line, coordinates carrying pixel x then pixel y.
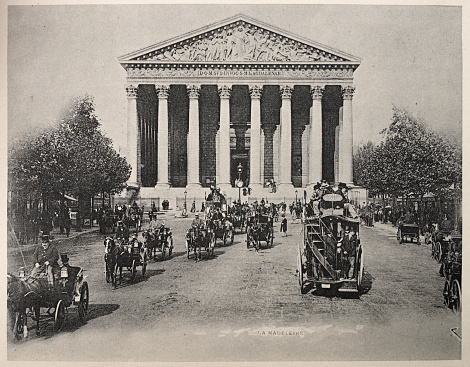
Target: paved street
{"type": "Point", "coordinates": [246, 306]}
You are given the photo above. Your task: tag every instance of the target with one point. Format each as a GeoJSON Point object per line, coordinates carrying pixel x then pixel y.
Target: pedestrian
{"type": "Point", "coordinates": [284, 225]}
{"type": "Point", "coordinates": [68, 221]}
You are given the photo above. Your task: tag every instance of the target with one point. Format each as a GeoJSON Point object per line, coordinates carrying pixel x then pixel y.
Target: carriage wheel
{"type": "Point", "coordinates": [224, 237]}
{"type": "Point", "coordinates": [83, 303]}
{"type": "Point", "coordinates": [446, 293]}
{"type": "Point", "coordinates": [300, 273]}
{"type": "Point", "coordinates": [59, 316]}
{"type": "Point", "coordinates": [144, 268]}
{"type": "Point", "coordinates": [438, 252]}
{"type": "Point", "coordinates": [170, 249]}
{"type": "Point", "coordinates": [456, 296]}
{"type": "Point", "coordinates": [133, 270]}
{"type": "Point", "coordinates": [360, 270]}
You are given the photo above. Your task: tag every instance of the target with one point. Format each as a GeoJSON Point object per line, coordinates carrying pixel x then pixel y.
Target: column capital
{"type": "Point", "coordinates": [256, 91]}
{"type": "Point", "coordinates": [224, 91]}
{"type": "Point", "coordinates": [163, 91]}
{"type": "Point", "coordinates": [316, 91]}
{"type": "Point", "coordinates": [131, 91]}
{"type": "Point", "coordinates": [193, 90]}
{"type": "Point", "coordinates": [348, 92]}
{"type": "Point", "coordinates": [286, 91]}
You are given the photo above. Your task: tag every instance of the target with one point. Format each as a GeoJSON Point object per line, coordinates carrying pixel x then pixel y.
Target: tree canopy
{"type": "Point", "coordinates": [410, 159]}
{"type": "Point", "coordinates": [75, 158]}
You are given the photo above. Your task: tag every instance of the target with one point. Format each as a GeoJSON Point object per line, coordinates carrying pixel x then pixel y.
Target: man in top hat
{"type": "Point", "coordinates": [197, 223]}
{"type": "Point", "coordinates": [46, 258]}
{"type": "Point", "coordinates": [122, 232]}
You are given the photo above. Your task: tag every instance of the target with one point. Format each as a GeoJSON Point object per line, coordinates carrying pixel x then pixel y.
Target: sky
{"type": "Point", "coordinates": [411, 57]}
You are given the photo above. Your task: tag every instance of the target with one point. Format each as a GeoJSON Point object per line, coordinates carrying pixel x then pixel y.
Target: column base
{"type": "Point", "coordinates": [224, 186]}
{"type": "Point", "coordinates": [193, 186]}
{"type": "Point", "coordinates": [162, 185]}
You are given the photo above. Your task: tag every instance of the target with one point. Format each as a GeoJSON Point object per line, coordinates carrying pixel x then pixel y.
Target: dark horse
{"type": "Point", "coordinates": [21, 295]}
{"type": "Point", "coordinates": [112, 251]}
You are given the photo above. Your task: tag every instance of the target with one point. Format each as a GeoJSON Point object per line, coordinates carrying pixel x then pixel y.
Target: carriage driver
{"type": "Point", "coordinates": [45, 257]}
{"type": "Point", "coordinates": [197, 223]}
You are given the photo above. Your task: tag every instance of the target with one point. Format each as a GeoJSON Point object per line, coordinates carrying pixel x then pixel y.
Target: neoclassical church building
{"type": "Point", "coordinates": [238, 99]}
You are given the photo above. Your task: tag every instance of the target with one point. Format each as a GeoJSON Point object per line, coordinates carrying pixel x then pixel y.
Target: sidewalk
{"type": "Point", "coordinates": [57, 238]}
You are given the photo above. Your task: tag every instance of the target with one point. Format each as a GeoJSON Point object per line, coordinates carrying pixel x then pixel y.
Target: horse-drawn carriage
{"type": "Point", "coordinates": [238, 217]}
{"type": "Point", "coordinates": [217, 219]}
{"type": "Point", "coordinates": [159, 240]}
{"type": "Point", "coordinates": [35, 293]}
{"type": "Point", "coordinates": [133, 217]}
{"type": "Point", "coordinates": [452, 270]}
{"type": "Point", "coordinates": [408, 232]}
{"type": "Point", "coordinates": [127, 255]}
{"type": "Point", "coordinates": [198, 239]}
{"type": "Point", "coordinates": [331, 257]}
{"type": "Point", "coordinates": [259, 228]}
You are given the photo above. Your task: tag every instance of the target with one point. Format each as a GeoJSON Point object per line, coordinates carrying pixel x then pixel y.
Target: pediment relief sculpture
{"type": "Point", "coordinates": [240, 42]}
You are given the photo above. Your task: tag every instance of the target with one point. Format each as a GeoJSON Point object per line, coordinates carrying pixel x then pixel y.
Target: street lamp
{"type": "Point", "coordinates": [296, 197]}
{"type": "Point", "coordinates": [185, 193]}
{"type": "Point", "coordinates": [239, 182]}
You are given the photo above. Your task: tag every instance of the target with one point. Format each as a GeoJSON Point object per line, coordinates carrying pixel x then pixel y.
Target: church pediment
{"type": "Point", "coordinates": [240, 39]}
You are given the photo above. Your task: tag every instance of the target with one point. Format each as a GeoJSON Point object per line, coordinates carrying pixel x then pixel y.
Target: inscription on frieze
{"type": "Point", "coordinates": [177, 72]}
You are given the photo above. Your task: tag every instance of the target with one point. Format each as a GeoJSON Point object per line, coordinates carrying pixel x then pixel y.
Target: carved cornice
{"type": "Point", "coordinates": [256, 91]}
{"type": "Point", "coordinates": [316, 92]}
{"type": "Point", "coordinates": [286, 91]}
{"type": "Point", "coordinates": [240, 41]}
{"type": "Point", "coordinates": [224, 91]}
{"type": "Point", "coordinates": [131, 91]}
{"type": "Point", "coordinates": [163, 91]}
{"type": "Point", "coordinates": [193, 91]}
{"type": "Point", "coordinates": [348, 92]}
{"type": "Point", "coordinates": [192, 71]}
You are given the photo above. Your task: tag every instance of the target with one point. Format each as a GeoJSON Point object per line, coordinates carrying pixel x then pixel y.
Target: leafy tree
{"type": "Point", "coordinates": [75, 158]}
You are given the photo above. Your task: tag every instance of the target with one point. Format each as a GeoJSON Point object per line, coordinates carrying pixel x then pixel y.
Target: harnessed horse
{"type": "Point", "coordinates": [112, 251]}
{"type": "Point", "coordinates": [21, 295]}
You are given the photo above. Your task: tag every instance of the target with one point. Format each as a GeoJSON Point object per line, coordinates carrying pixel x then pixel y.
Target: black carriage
{"type": "Point", "coordinates": [259, 229]}
{"type": "Point", "coordinates": [199, 239]}
{"type": "Point", "coordinates": [331, 258]}
{"type": "Point", "coordinates": [132, 255]}
{"type": "Point", "coordinates": [452, 270]}
{"type": "Point", "coordinates": [408, 232]}
{"type": "Point", "coordinates": [134, 218]}
{"type": "Point", "coordinates": [217, 221]}
{"type": "Point", "coordinates": [159, 240]}
{"type": "Point", "coordinates": [70, 289]}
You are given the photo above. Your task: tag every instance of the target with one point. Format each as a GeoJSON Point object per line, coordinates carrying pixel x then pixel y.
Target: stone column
{"type": "Point", "coordinates": [255, 138]}
{"type": "Point", "coordinates": [340, 146]}
{"type": "Point", "coordinates": [336, 154]}
{"type": "Point", "coordinates": [316, 141]}
{"type": "Point", "coordinates": [162, 151]}
{"type": "Point", "coordinates": [285, 174]}
{"type": "Point", "coordinates": [193, 180]}
{"type": "Point", "coordinates": [132, 135]}
{"type": "Point", "coordinates": [224, 141]}
{"type": "Point", "coordinates": [305, 153]}
{"type": "Point", "coordinates": [347, 141]}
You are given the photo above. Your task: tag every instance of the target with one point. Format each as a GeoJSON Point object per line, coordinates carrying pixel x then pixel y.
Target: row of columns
{"type": "Point", "coordinates": [343, 147]}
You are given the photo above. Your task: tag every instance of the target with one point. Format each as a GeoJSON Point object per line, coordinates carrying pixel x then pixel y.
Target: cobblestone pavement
{"type": "Point", "coordinates": [246, 306]}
